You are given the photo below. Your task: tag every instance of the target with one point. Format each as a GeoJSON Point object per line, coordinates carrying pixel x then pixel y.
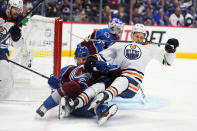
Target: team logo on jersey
{"type": "Point", "coordinates": [107, 34]}
{"type": "Point", "coordinates": [132, 52]}
{"type": "Point", "coordinates": [2, 31]}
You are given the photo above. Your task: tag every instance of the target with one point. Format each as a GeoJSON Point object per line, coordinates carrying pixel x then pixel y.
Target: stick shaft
{"type": "Point", "coordinates": [24, 67]}
{"type": "Point", "coordinates": [144, 43]}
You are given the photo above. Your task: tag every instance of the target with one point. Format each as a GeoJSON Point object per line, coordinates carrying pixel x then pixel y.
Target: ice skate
{"type": "Point", "coordinates": [99, 99]}
{"type": "Point", "coordinates": [108, 113]}
{"type": "Point", "coordinates": [41, 110]}
{"type": "Point", "coordinates": [64, 107]}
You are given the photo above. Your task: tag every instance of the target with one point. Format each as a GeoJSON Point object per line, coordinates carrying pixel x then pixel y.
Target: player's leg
{"type": "Point", "coordinates": [101, 84]}
{"type": "Point", "coordinates": [119, 85]}
{"type": "Point", "coordinates": [70, 89]}
{"type": "Point", "coordinates": [6, 79]}
{"type": "Point", "coordinates": [103, 112]}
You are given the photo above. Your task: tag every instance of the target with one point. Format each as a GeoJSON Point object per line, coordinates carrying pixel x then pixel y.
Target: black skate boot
{"type": "Point", "coordinates": [98, 100]}
{"type": "Point", "coordinates": [41, 110]}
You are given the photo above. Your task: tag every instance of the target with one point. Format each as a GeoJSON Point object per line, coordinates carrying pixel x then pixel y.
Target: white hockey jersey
{"type": "Point", "coordinates": [133, 58]}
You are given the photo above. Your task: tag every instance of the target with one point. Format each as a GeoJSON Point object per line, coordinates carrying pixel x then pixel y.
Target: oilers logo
{"type": "Point", "coordinates": [3, 31]}
{"type": "Point", "coordinates": [132, 52]}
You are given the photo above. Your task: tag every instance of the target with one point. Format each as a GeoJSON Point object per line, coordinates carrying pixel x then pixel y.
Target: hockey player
{"type": "Point", "coordinates": [113, 32]}
{"type": "Point", "coordinates": [73, 80]}
{"type": "Point", "coordinates": [135, 58]}
{"type": "Point", "coordinates": [132, 58]}
{"type": "Point", "coordinates": [8, 17]}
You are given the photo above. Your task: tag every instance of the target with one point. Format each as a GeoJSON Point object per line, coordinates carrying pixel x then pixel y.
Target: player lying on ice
{"type": "Point", "coordinates": [113, 32]}
{"type": "Point", "coordinates": [132, 59]}
{"type": "Point", "coordinates": [74, 80]}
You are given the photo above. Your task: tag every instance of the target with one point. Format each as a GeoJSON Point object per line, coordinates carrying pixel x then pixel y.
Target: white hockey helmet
{"type": "Point", "coordinates": [116, 26]}
{"type": "Point", "coordinates": [139, 28]}
{"type": "Point", "coordinates": [17, 4]}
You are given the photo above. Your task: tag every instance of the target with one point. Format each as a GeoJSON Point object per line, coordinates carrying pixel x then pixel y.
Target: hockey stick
{"type": "Point", "coordinates": [122, 41]}
{"type": "Point", "coordinates": [24, 67]}
{"type": "Point", "coordinates": [143, 95]}
{"type": "Point", "coordinates": [7, 35]}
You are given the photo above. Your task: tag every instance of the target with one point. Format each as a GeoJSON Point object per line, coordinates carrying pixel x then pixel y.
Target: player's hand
{"type": "Point", "coordinates": [90, 63]}
{"type": "Point", "coordinates": [173, 44]}
{"type": "Point", "coordinates": [15, 33]}
{"type": "Point", "coordinates": [54, 82]}
{"type": "Point", "coordinates": [102, 66]}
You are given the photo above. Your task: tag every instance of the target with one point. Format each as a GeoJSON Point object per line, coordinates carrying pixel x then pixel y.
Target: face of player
{"type": "Point", "coordinates": [138, 37]}
{"type": "Point", "coordinates": [81, 60]}
{"type": "Point", "coordinates": [15, 12]}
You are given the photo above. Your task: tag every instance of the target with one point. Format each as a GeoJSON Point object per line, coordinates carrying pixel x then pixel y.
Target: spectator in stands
{"type": "Point", "coordinates": [83, 17]}
{"type": "Point", "coordinates": [122, 15]}
{"type": "Point", "coordinates": [113, 4]}
{"type": "Point", "coordinates": [52, 10]}
{"type": "Point", "coordinates": [65, 17]}
{"type": "Point", "coordinates": [161, 17]}
{"type": "Point", "coordinates": [176, 19]}
{"type": "Point", "coordinates": [28, 4]}
{"type": "Point", "coordinates": [94, 15]}
{"type": "Point", "coordinates": [65, 10]}
{"type": "Point", "coordinates": [65, 7]}
{"type": "Point", "coordinates": [185, 6]}
{"type": "Point", "coordinates": [4, 4]}
{"type": "Point", "coordinates": [136, 18]}
{"type": "Point", "coordinates": [107, 15]}
{"type": "Point", "coordinates": [189, 19]}
{"type": "Point", "coordinates": [148, 4]}
{"type": "Point", "coordinates": [87, 6]}
{"type": "Point", "coordinates": [148, 18]}
{"type": "Point", "coordinates": [77, 8]}
{"type": "Point", "coordinates": [158, 4]}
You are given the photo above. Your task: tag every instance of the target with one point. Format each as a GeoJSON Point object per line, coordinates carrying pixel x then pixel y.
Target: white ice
{"type": "Point", "coordinates": [175, 87]}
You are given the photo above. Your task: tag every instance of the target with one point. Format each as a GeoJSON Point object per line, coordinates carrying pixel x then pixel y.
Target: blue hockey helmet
{"type": "Point", "coordinates": [81, 51]}
{"type": "Point", "coordinates": [116, 26]}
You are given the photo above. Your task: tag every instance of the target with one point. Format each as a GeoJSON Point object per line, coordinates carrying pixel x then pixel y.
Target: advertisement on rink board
{"type": "Point", "coordinates": [72, 34]}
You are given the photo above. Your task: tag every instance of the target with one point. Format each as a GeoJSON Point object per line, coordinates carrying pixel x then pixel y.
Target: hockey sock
{"type": "Point", "coordinates": [52, 100]}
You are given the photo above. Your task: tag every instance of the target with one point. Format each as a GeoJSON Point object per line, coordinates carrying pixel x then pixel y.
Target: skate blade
{"type": "Point", "coordinates": [112, 111]}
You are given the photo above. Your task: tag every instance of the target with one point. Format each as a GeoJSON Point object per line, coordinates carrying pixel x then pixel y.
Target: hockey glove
{"type": "Point", "coordinates": [90, 63]}
{"type": "Point", "coordinates": [173, 44]}
{"type": "Point", "coordinates": [54, 82]}
{"type": "Point", "coordinates": [15, 33]}
{"type": "Point", "coordinates": [102, 66]}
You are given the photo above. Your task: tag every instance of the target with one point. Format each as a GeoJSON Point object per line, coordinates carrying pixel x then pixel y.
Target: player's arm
{"type": "Point", "coordinates": [93, 64]}
{"type": "Point", "coordinates": [55, 82]}
{"type": "Point", "coordinates": [167, 57]}
{"type": "Point", "coordinates": [15, 33]}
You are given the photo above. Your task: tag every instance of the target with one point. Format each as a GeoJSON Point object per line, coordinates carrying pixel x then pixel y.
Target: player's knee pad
{"type": "Point", "coordinates": [120, 84]}
{"type": "Point", "coordinates": [6, 79]}
{"type": "Point", "coordinates": [71, 89]}
{"type": "Point", "coordinates": [93, 90]}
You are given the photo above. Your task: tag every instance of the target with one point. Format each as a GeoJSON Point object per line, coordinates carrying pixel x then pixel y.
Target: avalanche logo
{"type": "Point", "coordinates": [132, 52]}
{"type": "Point", "coordinates": [2, 31]}
{"type": "Point", "coordinates": [107, 34]}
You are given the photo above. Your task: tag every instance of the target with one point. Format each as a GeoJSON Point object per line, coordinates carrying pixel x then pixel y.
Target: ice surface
{"type": "Point", "coordinates": [171, 103]}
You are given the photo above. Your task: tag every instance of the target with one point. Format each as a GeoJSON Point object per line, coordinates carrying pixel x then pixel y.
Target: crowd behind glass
{"type": "Point", "coordinates": [147, 12]}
